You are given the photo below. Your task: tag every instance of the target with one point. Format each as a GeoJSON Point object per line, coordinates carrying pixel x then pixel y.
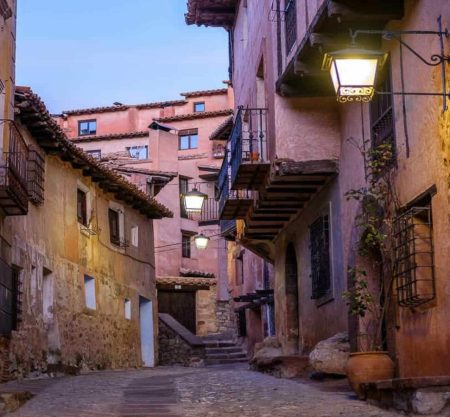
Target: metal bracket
{"type": "Point", "coordinates": [435, 60]}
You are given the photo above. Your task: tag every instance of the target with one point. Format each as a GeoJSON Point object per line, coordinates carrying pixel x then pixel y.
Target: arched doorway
{"type": "Point", "coordinates": [292, 313]}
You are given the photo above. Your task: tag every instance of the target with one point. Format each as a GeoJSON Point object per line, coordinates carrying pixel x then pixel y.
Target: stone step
{"type": "Point", "coordinates": [237, 355]}
{"type": "Point", "coordinates": [224, 361]}
{"type": "Point", "coordinates": [218, 343]}
{"type": "Point", "coordinates": [225, 349]}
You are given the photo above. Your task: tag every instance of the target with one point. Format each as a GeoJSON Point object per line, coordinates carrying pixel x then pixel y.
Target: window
{"type": "Point", "coordinates": [127, 307]}
{"type": "Point", "coordinates": [89, 292]}
{"type": "Point", "coordinates": [199, 107]}
{"type": "Point", "coordinates": [82, 207]}
{"type": "Point", "coordinates": [188, 139]}
{"type": "Point", "coordinates": [320, 257]}
{"type": "Point", "coordinates": [138, 152]}
{"type": "Point", "coordinates": [414, 265]}
{"type": "Point", "coordinates": [382, 120]}
{"type": "Point", "coordinates": [87, 127]}
{"type": "Point", "coordinates": [114, 227]}
{"type": "Point", "coordinates": [185, 245]}
{"type": "Point", "coordinates": [290, 24]}
{"type": "Point", "coordinates": [97, 153]}
{"type": "Point", "coordinates": [183, 184]}
{"type": "Point", "coordinates": [10, 300]}
{"type": "Point", "coordinates": [135, 236]}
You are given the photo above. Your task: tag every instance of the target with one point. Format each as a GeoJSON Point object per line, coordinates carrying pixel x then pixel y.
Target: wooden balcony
{"type": "Point", "coordinates": [248, 149]}
{"type": "Point", "coordinates": [329, 31]}
{"type": "Point", "coordinates": [13, 172]}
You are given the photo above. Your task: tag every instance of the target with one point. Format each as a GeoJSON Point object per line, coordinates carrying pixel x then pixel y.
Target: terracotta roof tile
{"type": "Point", "coordinates": [161, 104]}
{"type": "Point", "coordinates": [205, 92]}
{"type": "Point", "coordinates": [111, 136]}
{"type": "Point", "coordinates": [199, 115]}
{"type": "Point", "coordinates": [211, 12]}
{"type": "Point", "coordinates": [52, 139]}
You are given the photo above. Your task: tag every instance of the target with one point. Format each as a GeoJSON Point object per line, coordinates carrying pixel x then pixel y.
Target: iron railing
{"type": "Point", "coordinates": [36, 173]}
{"type": "Point", "coordinates": [218, 151]}
{"type": "Point", "coordinates": [320, 257]}
{"type": "Point", "coordinates": [210, 211]}
{"type": "Point", "coordinates": [248, 139]}
{"type": "Point", "coordinates": [13, 172]}
{"type": "Point", "coordinates": [10, 296]}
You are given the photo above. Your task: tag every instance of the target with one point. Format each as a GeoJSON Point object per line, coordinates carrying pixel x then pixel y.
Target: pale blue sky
{"type": "Point", "coordinates": [83, 53]}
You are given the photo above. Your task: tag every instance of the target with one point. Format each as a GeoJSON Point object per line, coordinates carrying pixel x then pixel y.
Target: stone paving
{"type": "Point", "coordinates": [230, 391]}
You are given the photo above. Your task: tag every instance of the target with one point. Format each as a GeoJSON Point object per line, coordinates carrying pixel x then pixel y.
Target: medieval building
{"type": "Point", "coordinates": [73, 293]}
{"type": "Point", "coordinates": [166, 149]}
{"type": "Point", "coordinates": [307, 140]}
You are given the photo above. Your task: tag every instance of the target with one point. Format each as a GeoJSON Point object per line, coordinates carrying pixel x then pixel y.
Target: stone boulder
{"type": "Point", "coordinates": [330, 355]}
{"type": "Point", "coordinates": [266, 350]}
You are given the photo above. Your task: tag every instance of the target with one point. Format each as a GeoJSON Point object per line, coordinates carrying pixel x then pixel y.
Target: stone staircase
{"type": "Point", "coordinates": [220, 351]}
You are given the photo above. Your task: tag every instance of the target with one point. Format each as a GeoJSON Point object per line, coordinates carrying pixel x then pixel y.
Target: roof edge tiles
{"type": "Point", "coordinates": [191, 116]}
{"type": "Point", "coordinates": [200, 93]}
{"type": "Point", "coordinates": [125, 135]}
{"type": "Point", "coordinates": [33, 114]}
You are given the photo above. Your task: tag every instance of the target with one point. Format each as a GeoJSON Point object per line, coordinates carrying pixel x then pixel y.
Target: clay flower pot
{"type": "Point", "coordinates": [254, 156]}
{"type": "Point", "coordinates": [365, 367]}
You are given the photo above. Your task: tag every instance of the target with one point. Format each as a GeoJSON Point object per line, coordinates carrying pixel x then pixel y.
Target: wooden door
{"type": "Point", "coordinates": [180, 305]}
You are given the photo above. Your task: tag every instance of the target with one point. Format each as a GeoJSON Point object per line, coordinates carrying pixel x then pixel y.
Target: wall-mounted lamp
{"type": "Point", "coordinates": [193, 201]}
{"type": "Point", "coordinates": [354, 71]}
{"type": "Point", "coordinates": [201, 241]}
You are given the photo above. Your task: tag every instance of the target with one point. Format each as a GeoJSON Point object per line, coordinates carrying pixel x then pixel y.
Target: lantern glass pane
{"type": "Point", "coordinates": [193, 203]}
{"type": "Point", "coordinates": [201, 242]}
{"type": "Point", "coordinates": [354, 72]}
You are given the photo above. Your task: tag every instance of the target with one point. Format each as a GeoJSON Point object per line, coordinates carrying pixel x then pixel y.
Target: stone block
{"type": "Point", "coordinates": [331, 355]}
{"type": "Point", "coordinates": [429, 401]}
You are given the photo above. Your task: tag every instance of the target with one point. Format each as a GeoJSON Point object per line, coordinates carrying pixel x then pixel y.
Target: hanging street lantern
{"type": "Point", "coordinates": [193, 201]}
{"type": "Point", "coordinates": [354, 72]}
{"type": "Point", "coordinates": [201, 241]}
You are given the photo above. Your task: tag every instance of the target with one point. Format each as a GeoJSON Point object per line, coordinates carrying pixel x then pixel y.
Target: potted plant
{"type": "Point", "coordinates": [370, 279]}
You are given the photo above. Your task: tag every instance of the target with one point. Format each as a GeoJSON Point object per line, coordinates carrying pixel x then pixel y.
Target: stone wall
{"type": "Point", "coordinates": [225, 317]}
{"type": "Point", "coordinates": [174, 350]}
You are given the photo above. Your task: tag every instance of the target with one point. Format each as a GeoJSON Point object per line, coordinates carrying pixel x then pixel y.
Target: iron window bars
{"type": "Point", "coordinates": [36, 173]}
{"type": "Point", "coordinates": [290, 24]}
{"type": "Point", "coordinates": [320, 257]}
{"type": "Point", "coordinates": [414, 264]}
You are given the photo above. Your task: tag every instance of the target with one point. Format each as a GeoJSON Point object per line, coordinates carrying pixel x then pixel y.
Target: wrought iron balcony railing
{"type": "Point", "coordinates": [210, 211]}
{"type": "Point", "coordinates": [218, 151]}
{"type": "Point", "coordinates": [248, 144]}
{"type": "Point", "coordinates": [13, 171]}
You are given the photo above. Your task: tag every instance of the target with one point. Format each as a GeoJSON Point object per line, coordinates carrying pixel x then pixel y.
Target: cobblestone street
{"type": "Point", "coordinates": [186, 392]}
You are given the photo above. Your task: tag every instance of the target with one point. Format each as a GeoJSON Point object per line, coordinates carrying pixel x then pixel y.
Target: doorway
{"type": "Point", "coordinates": [292, 312]}
{"type": "Point", "coordinates": [147, 333]}
{"type": "Point", "coordinates": [181, 306]}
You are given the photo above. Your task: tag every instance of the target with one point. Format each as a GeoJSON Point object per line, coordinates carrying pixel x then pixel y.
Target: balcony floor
{"type": "Point", "coordinates": [251, 175]}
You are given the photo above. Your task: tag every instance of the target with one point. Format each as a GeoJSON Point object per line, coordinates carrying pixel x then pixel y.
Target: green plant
{"type": "Point", "coordinates": [370, 280]}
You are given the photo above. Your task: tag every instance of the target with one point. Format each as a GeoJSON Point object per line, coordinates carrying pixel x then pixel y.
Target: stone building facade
{"type": "Point", "coordinates": [288, 189]}
{"type": "Point", "coordinates": [167, 145]}
{"type": "Point", "coordinates": [75, 295]}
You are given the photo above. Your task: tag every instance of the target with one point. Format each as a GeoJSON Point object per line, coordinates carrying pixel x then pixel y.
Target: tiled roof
{"type": "Point", "coordinates": [35, 117]}
{"type": "Point", "coordinates": [205, 92]}
{"type": "Point", "coordinates": [211, 12]}
{"type": "Point", "coordinates": [161, 104]}
{"type": "Point", "coordinates": [125, 135]}
{"type": "Point", "coordinates": [123, 107]}
{"type": "Point", "coordinates": [186, 281]}
{"type": "Point", "coordinates": [223, 131]}
{"type": "Point", "coordinates": [198, 115]}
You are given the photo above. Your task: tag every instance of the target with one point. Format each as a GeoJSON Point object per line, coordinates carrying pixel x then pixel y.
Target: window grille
{"type": "Point", "coordinates": [35, 176]}
{"type": "Point", "coordinates": [414, 265]}
{"type": "Point", "coordinates": [291, 24]}
{"type": "Point", "coordinates": [382, 114]}
{"type": "Point", "coordinates": [183, 184]}
{"type": "Point", "coordinates": [320, 257]}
